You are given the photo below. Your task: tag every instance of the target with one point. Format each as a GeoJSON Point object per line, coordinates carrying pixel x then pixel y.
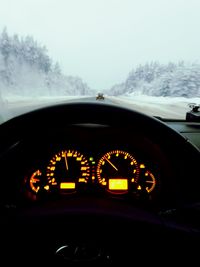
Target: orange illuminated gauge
{"type": "Point", "coordinates": [66, 170]}
{"type": "Point", "coordinates": [117, 171]}
{"type": "Point", "coordinates": [147, 181]}
{"type": "Point", "coordinates": [35, 182]}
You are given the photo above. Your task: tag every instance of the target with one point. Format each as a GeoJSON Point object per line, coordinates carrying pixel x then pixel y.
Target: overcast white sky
{"type": "Point", "coordinates": [101, 41]}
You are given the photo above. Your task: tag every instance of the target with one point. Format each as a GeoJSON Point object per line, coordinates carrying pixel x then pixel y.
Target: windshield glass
{"type": "Point", "coordinates": [142, 54]}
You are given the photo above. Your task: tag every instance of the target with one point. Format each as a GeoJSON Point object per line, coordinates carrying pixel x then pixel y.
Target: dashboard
{"type": "Point", "coordinates": [74, 188]}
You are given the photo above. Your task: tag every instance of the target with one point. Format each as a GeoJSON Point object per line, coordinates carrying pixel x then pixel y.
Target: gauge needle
{"type": "Point", "coordinates": [66, 163]}
{"type": "Point", "coordinates": [111, 164]}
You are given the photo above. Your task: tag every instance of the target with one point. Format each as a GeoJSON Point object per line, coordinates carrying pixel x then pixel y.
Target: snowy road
{"type": "Point", "coordinates": [171, 108]}
{"type": "Point", "coordinates": [153, 106]}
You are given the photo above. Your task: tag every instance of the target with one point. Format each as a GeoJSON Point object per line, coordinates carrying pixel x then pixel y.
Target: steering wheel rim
{"type": "Point", "coordinates": [83, 112]}
{"type": "Point", "coordinates": [91, 113]}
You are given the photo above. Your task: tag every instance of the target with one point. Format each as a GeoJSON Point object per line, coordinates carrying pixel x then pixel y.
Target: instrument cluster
{"type": "Point", "coordinates": [116, 172]}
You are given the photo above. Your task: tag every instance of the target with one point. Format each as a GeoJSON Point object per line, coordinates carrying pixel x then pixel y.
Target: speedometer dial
{"type": "Point", "coordinates": [117, 171]}
{"type": "Point", "coordinates": [66, 170]}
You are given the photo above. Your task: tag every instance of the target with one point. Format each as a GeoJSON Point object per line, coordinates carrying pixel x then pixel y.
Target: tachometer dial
{"type": "Point", "coordinates": [117, 171]}
{"type": "Point", "coordinates": [66, 170]}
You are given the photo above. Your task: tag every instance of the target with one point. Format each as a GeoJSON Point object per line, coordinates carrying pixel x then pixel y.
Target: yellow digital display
{"type": "Point", "coordinates": [118, 184]}
{"type": "Point", "coordinates": [67, 185]}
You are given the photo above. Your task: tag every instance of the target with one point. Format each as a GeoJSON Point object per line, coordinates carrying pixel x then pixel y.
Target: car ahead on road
{"type": "Point", "coordinates": [98, 184]}
{"type": "Point", "coordinates": [100, 96]}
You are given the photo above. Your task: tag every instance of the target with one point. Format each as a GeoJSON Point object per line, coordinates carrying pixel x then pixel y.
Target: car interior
{"type": "Point", "coordinates": [95, 184]}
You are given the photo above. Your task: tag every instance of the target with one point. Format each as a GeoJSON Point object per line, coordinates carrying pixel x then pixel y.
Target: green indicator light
{"type": "Point", "coordinates": [91, 159]}
{"type": "Point", "coordinates": [93, 162]}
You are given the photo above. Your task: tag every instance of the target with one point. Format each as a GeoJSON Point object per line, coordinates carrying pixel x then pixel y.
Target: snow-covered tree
{"type": "Point", "coordinates": [27, 69]}
{"type": "Point", "coordinates": [156, 79]}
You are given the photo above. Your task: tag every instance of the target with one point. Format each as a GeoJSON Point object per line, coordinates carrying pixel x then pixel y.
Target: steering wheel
{"type": "Point", "coordinates": [99, 232]}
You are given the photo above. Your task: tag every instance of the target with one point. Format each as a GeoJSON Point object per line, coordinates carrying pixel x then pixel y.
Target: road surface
{"type": "Point", "coordinates": [151, 106]}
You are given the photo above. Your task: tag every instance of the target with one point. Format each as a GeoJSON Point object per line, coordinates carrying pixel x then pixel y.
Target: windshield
{"type": "Point", "coordinates": [142, 54]}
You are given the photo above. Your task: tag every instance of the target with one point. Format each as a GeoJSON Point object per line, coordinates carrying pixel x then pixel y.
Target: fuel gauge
{"type": "Point", "coordinates": [146, 181]}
